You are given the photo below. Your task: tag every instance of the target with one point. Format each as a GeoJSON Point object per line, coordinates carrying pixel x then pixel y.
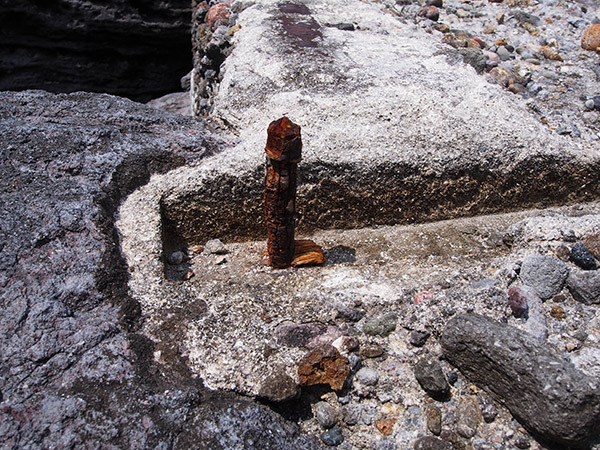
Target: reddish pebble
{"type": "Point", "coordinates": [218, 15]}
{"type": "Point", "coordinates": [517, 300]}
{"type": "Point", "coordinates": [423, 296]}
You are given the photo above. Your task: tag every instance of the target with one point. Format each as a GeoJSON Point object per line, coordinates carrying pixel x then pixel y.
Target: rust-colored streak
{"type": "Point", "coordinates": [284, 151]}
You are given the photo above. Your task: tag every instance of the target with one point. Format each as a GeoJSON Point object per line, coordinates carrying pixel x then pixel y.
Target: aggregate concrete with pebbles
{"type": "Point", "coordinates": [226, 319]}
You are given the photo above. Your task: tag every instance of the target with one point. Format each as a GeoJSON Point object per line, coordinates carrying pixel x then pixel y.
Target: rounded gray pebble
{"type": "Point", "coordinates": [176, 258]}
{"type": "Point", "coordinates": [367, 376]}
{"type": "Point", "coordinates": [503, 53]}
{"type": "Point", "coordinates": [325, 415]}
{"type": "Point", "coordinates": [332, 437]}
{"type": "Point", "coordinates": [590, 104]}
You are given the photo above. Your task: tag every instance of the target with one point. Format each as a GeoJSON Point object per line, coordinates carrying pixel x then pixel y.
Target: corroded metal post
{"type": "Point", "coordinates": [284, 151]}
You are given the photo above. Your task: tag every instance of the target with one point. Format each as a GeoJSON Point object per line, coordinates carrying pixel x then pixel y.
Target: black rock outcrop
{"type": "Point", "coordinates": [135, 48]}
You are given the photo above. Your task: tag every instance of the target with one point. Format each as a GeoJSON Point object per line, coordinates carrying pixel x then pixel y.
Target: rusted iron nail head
{"type": "Point", "coordinates": [284, 142]}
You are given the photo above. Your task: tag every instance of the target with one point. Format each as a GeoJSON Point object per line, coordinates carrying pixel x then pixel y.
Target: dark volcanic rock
{"type": "Point", "coordinates": [584, 286]}
{"type": "Point", "coordinates": [418, 338]}
{"type": "Point", "coordinates": [73, 371]}
{"type": "Point", "coordinates": [547, 394]}
{"type": "Point", "coordinates": [430, 376]}
{"type": "Point", "coordinates": [138, 49]}
{"type": "Point", "coordinates": [581, 256]}
{"type": "Point", "coordinates": [545, 274]}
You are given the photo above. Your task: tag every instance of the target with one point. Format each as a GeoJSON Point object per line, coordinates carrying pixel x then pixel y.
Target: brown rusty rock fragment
{"type": "Point", "coordinates": [591, 38]}
{"type": "Point", "coordinates": [324, 365]}
{"type": "Point", "coordinates": [386, 426]}
{"type": "Point", "coordinates": [592, 242]}
{"type": "Point", "coordinates": [306, 252]}
{"type": "Point", "coordinates": [284, 151]}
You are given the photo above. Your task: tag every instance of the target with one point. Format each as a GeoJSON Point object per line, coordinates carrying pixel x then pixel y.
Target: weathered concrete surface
{"type": "Point", "coordinates": [545, 392]}
{"type": "Point", "coordinates": [74, 371]}
{"type": "Point", "coordinates": [394, 131]}
{"type": "Point", "coordinates": [239, 323]}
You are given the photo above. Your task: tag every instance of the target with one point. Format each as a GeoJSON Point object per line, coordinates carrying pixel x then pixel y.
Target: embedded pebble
{"type": "Point", "coordinates": [346, 344]}
{"type": "Point", "coordinates": [581, 256]}
{"type": "Point", "coordinates": [584, 286]}
{"type": "Point", "coordinates": [518, 297]}
{"type": "Point", "coordinates": [418, 338]}
{"type": "Point", "coordinates": [468, 416]}
{"type": "Point", "coordinates": [367, 376]}
{"type": "Point", "coordinates": [349, 314]}
{"type": "Point", "coordinates": [325, 415]}
{"type": "Point", "coordinates": [452, 377]}
{"type": "Point", "coordinates": [332, 437]}
{"type": "Point", "coordinates": [545, 274]}
{"type": "Point", "coordinates": [351, 414]}
{"type": "Point", "coordinates": [488, 408]}
{"type": "Point", "coordinates": [380, 326]}
{"type": "Point", "coordinates": [592, 242]}
{"type": "Point", "coordinates": [428, 373]}
{"type": "Point", "coordinates": [434, 419]}
{"type": "Point", "coordinates": [558, 312]}
{"type": "Point", "coordinates": [278, 386]}
{"type": "Point", "coordinates": [432, 443]}
{"type": "Point", "coordinates": [371, 350]}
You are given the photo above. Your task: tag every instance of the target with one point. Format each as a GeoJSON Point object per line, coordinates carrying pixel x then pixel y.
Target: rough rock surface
{"type": "Point", "coordinates": [74, 371]}
{"type": "Point", "coordinates": [137, 49]}
{"type": "Point", "coordinates": [585, 286]}
{"type": "Point", "coordinates": [545, 274]}
{"type": "Point", "coordinates": [430, 376]}
{"type": "Point", "coordinates": [526, 377]}
{"type": "Point", "coordinates": [424, 274]}
{"type": "Point", "coordinates": [324, 365]}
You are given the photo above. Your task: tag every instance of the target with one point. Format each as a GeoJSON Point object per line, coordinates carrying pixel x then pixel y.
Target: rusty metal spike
{"type": "Point", "coordinates": [284, 151]}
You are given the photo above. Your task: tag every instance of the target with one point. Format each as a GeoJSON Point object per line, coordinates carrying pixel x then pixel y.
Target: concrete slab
{"type": "Point", "coordinates": [394, 133]}
{"type": "Point", "coordinates": [394, 130]}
